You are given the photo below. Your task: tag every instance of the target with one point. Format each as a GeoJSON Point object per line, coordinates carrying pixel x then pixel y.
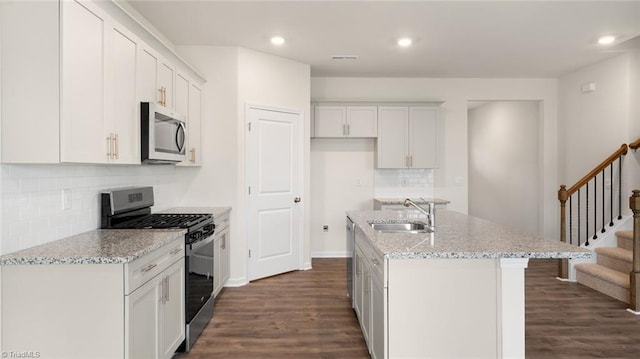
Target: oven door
{"type": "Point", "coordinates": [199, 273]}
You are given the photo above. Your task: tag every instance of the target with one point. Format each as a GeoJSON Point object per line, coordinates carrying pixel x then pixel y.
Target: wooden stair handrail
{"type": "Point", "coordinates": [634, 276]}
{"type": "Point", "coordinates": [614, 156]}
{"type": "Point", "coordinates": [635, 144]}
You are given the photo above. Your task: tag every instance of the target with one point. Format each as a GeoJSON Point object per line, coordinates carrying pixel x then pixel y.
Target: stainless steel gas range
{"type": "Point", "coordinates": [130, 208]}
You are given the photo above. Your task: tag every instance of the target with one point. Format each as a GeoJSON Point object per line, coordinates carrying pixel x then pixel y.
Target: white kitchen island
{"type": "Point", "coordinates": [454, 293]}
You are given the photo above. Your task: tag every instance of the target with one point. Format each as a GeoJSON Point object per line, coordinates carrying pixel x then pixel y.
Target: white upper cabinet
{"type": "Point", "coordinates": [407, 137]}
{"type": "Point", "coordinates": [83, 84]}
{"type": "Point", "coordinates": [345, 121]}
{"type": "Point", "coordinates": [99, 122]}
{"type": "Point", "coordinates": [188, 98]}
{"type": "Point", "coordinates": [74, 73]}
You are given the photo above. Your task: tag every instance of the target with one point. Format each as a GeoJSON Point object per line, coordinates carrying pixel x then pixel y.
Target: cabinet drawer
{"type": "Point", "coordinates": [221, 222]}
{"type": "Point", "coordinates": [145, 268]}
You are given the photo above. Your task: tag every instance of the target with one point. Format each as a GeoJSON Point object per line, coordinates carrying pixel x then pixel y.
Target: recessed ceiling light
{"type": "Point", "coordinates": [277, 40]}
{"type": "Point", "coordinates": [405, 42]}
{"type": "Point", "coordinates": [606, 40]}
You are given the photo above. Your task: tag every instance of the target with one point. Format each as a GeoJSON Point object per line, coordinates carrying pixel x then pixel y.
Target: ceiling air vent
{"type": "Point", "coordinates": [344, 57]}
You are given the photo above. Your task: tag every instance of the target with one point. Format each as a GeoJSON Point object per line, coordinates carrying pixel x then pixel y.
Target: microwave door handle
{"type": "Point", "coordinates": [180, 137]}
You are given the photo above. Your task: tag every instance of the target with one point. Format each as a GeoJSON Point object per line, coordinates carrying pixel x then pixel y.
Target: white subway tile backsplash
{"type": "Point", "coordinates": [32, 199]}
{"type": "Point", "coordinates": [403, 183]}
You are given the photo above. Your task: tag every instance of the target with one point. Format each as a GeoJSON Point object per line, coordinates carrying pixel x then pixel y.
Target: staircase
{"type": "Point", "coordinates": [610, 275]}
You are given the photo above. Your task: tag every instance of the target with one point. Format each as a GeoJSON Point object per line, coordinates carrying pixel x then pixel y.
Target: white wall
{"type": "Point", "coordinates": [634, 117]}
{"type": "Point", "coordinates": [342, 179]}
{"type": "Point", "coordinates": [456, 93]}
{"type": "Point", "coordinates": [237, 77]}
{"type": "Point", "coordinates": [504, 176]}
{"type": "Point", "coordinates": [593, 125]}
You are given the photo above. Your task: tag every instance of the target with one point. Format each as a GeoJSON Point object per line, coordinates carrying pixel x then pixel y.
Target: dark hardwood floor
{"type": "Point", "coordinates": [306, 314]}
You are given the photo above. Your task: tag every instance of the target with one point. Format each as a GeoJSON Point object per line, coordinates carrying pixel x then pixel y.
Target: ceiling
{"type": "Point", "coordinates": [499, 39]}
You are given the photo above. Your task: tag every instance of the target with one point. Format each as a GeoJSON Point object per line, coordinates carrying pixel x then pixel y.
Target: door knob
{"type": "Point", "coordinates": [297, 200]}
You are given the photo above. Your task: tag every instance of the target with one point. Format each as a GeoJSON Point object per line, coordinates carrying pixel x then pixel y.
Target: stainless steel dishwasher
{"type": "Point", "coordinates": [351, 237]}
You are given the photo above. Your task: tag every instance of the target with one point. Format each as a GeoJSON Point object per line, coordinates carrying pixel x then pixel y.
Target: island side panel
{"type": "Point", "coordinates": [64, 310]}
{"type": "Point", "coordinates": [442, 308]}
{"type": "Point", "coordinates": [511, 307]}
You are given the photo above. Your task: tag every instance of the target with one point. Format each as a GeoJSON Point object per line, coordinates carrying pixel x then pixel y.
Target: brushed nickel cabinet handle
{"type": "Point", "coordinates": [175, 251]}
{"type": "Point", "coordinates": [108, 146]}
{"type": "Point", "coordinates": [115, 146]}
{"type": "Point", "coordinates": [193, 155]}
{"type": "Point", "coordinates": [149, 267]}
{"type": "Point", "coordinates": [348, 130]}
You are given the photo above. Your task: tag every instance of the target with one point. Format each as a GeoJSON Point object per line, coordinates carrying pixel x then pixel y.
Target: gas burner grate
{"type": "Point", "coordinates": [165, 221]}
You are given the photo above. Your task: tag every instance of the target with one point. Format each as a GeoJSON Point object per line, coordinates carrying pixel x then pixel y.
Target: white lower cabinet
{"type": "Point", "coordinates": [221, 253]}
{"type": "Point", "coordinates": [156, 315]}
{"type": "Point", "coordinates": [369, 296]}
{"type": "Point", "coordinates": [77, 311]}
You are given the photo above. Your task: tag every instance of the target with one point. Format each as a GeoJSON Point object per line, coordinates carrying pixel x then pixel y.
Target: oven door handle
{"type": "Point", "coordinates": [203, 241]}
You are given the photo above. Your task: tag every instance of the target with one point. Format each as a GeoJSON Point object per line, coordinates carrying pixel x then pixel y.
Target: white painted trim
{"type": "Point", "coordinates": [238, 282]}
{"type": "Point", "coordinates": [632, 311]}
{"type": "Point", "coordinates": [336, 254]}
{"type": "Point", "coordinates": [514, 262]}
{"type": "Point", "coordinates": [564, 279]}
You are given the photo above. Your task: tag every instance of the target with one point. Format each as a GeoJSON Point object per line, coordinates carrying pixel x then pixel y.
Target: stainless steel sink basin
{"type": "Point", "coordinates": [401, 227]}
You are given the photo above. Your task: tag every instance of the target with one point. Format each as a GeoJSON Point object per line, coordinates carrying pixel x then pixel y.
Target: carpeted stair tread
{"type": "Point", "coordinates": [604, 273]}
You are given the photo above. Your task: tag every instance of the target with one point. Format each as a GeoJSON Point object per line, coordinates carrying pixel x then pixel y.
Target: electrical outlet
{"type": "Point", "coordinates": [66, 199]}
{"type": "Point", "coordinates": [325, 228]}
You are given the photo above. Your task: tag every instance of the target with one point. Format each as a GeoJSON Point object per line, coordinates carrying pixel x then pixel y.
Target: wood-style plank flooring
{"type": "Point", "coordinates": [306, 314]}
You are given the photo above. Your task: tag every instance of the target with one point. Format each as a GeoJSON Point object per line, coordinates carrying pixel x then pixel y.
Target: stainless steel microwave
{"type": "Point", "coordinates": [163, 134]}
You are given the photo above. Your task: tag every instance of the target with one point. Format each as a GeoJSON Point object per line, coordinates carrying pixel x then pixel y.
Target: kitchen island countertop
{"type": "Point", "coordinates": [459, 236]}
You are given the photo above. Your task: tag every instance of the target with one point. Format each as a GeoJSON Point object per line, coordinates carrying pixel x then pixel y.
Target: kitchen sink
{"type": "Point", "coordinates": [401, 227]}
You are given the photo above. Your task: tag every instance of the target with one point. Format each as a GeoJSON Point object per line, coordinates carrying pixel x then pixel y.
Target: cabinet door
{"type": "Point", "coordinates": [217, 250]}
{"type": "Point", "coordinates": [392, 144]}
{"type": "Point", "coordinates": [362, 121]}
{"type": "Point", "coordinates": [172, 329]}
{"type": "Point", "coordinates": [166, 80]}
{"type": "Point", "coordinates": [141, 330]}
{"type": "Point", "coordinates": [195, 119]}
{"type": "Point", "coordinates": [182, 96]}
{"type": "Point", "coordinates": [148, 88]}
{"type": "Point", "coordinates": [378, 324]}
{"type": "Point", "coordinates": [423, 137]}
{"type": "Point", "coordinates": [365, 319]}
{"type": "Point", "coordinates": [330, 121]}
{"type": "Point", "coordinates": [123, 119]}
{"type": "Point", "coordinates": [225, 257]}
{"type": "Point", "coordinates": [83, 76]}
{"type": "Point", "coordinates": [358, 282]}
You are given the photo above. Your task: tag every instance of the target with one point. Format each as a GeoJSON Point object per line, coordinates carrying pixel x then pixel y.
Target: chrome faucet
{"type": "Point", "coordinates": [431, 215]}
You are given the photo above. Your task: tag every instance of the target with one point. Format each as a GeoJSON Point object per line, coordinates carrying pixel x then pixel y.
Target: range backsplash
{"type": "Point", "coordinates": [32, 198]}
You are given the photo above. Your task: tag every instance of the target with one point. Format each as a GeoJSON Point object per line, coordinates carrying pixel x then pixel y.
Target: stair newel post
{"type": "Point", "coordinates": [634, 287]}
{"type": "Point", "coordinates": [563, 264]}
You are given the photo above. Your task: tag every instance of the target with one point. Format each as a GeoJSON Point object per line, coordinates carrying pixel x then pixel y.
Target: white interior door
{"type": "Point", "coordinates": [274, 178]}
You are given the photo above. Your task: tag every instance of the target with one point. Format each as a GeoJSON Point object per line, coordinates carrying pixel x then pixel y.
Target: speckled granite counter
{"type": "Point", "coordinates": [460, 236]}
{"type": "Point", "coordinates": [102, 246]}
{"type": "Point", "coordinates": [216, 211]}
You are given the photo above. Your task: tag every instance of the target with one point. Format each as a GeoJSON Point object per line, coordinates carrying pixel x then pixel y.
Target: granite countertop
{"type": "Point", "coordinates": [101, 246]}
{"type": "Point", "coordinates": [216, 211]}
{"type": "Point", "coordinates": [460, 236]}
{"type": "Point", "coordinates": [416, 200]}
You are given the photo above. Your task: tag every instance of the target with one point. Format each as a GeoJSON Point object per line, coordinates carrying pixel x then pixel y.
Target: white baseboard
{"type": "Point", "coordinates": [330, 254]}
{"type": "Point", "coordinates": [632, 311]}
{"type": "Point", "coordinates": [237, 282]}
